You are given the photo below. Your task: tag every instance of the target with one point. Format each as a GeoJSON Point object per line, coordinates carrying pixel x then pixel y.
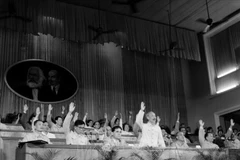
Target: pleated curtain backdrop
{"type": "Point", "coordinates": [71, 23]}
{"type": "Point", "coordinates": [110, 78]}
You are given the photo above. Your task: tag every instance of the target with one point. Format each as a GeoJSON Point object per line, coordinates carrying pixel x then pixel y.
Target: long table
{"type": "Point", "coordinates": [93, 152]}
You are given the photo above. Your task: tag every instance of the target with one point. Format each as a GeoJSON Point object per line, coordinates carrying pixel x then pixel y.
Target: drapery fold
{"type": "Point", "coordinates": [71, 22]}
{"type": "Point", "coordinates": [110, 78]}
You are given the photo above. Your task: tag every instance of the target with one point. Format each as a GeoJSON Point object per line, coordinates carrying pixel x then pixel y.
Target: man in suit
{"type": "Point", "coordinates": [56, 90]}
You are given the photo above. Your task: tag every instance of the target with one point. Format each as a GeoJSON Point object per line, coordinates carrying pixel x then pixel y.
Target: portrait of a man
{"type": "Point", "coordinates": [55, 90]}
{"type": "Point", "coordinates": [34, 83]}
{"type": "Point", "coordinates": [41, 81]}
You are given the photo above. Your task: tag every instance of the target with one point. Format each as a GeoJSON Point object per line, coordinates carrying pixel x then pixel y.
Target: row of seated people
{"type": "Point", "coordinates": [149, 134]}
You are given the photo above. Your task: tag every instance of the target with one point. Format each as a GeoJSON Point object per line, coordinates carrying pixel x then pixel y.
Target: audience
{"type": "Point", "coordinates": [180, 141]}
{"type": "Point", "coordinates": [114, 140]}
{"type": "Point", "coordinates": [36, 130]}
{"type": "Point", "coordinates": [151, 132]}
{"type": "Point", "coordinates": [188, 129]}
{"type": "Point", "coordinates": [166, 135]}
{"type": "Point", "coordinates": [205, 139]}
{"type": "Point", "coordinates": [46, 129]}
{"type": "Point", "coordinates": [77, 136]}
{"type": "Point", "coordinates": [88, 122]}
{"type": "Point", "coordinates": [55, 127]}
{"type": "Point", "coordinates": [127, 126]}
{"type": "Point", "coordinates": [116, 121]}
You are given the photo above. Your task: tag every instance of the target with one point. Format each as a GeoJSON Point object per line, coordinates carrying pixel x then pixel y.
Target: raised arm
{"type": "Point", "coordinates": [18, 118]}
{"type": "Point", "coordinates": [36, 117]}
{"type": "Point", "coordinates": [75, 117]}
{"type": "Point", "coordinates": [120, 120]}
{"type": "Point", "coordinates": [114, 118]}
{"type": "Point", "coordinates": [49, 115]}
{"type": "Point", "coordinates": [63, 111]}
{"type": "Point", "coordinates": [68, 118]}
{"type": "Point", "coordinates": [230, 131]}
{"type": "Point", "coordinates": [176, 128]}
{"type": "Point", "coordinates": [41, 116]}
{"type": "Point", "coordinates": [106, 121]}
{"type": "Point", "coordinates": [201, 132]}
{"type": "Point", "coordinates": [85, 118]}
{"type": "Point", "coordinates": [130, 118]}
{"type": "Point", "coordinates": [23, 120]}
{"type": "Point", "coordinates": [158, 120]}
{"type": "Point", "coordinates": [139, 117]}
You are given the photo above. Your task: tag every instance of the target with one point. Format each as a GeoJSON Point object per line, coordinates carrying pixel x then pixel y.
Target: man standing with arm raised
{"type": "Point", "coordinates": [151, 132]}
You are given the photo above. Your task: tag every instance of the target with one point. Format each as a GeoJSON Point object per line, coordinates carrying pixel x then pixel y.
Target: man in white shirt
{"type": "Point", "coordinates": [77, 136]}
{"type": "Point", "coordinates": [37, 133]}
{"type": "Point", "coordinates": [46, 129]}
{"type": "Point", "coordinates": [205, 140]}
{"type": "Point", "coordinates": [151, 132]}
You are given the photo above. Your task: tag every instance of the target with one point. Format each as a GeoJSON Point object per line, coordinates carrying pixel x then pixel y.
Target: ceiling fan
{"type": "Point", "coordinates": [99, 30]}
{"type": "Point", "coordinates": [11, 12]}
{"type": "Point", "coordinates": [173, 45]}
{"type": "Point", "coordinates": [131, 3]}
{"type": "Point", "coordinates": [208, 21]}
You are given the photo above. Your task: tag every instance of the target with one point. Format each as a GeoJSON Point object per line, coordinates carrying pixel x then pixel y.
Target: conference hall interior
{"type": "Point", "coordinates": [119, 79]}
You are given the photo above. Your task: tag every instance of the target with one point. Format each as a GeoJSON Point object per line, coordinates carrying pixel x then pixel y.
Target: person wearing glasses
{"type": "Point", "coordinates": [77, 136]}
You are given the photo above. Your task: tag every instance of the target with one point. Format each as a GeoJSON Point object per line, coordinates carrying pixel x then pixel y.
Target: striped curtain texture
{"type": "Point", "coordinates": [110, 78]}
{"type": "Point", "coordinates": [71, 23]}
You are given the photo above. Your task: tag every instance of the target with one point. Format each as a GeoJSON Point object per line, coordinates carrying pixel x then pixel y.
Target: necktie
{"type": "Point", "coordinates": [54, 90]}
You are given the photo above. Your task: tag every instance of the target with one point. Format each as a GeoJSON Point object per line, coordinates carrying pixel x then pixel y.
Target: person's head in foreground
{"type": "Point", "coordinates": [79, 126]}
{"type": "Point", "coordinates": [38, 126]}
{"type": "Point", "coordinates": [151, 117]}
{"type": "Point", "coordinates": [117, 132]}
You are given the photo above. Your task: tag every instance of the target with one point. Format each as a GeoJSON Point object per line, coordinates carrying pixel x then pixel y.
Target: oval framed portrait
{"type": "Point", "coordinates": [41, 81]}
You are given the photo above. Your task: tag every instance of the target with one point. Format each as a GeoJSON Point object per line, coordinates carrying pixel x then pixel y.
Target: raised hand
{"type": "Point", "coordinates": [25, 108]}
{"type": "Point", "coordinates": [75, 116]}
{"type": "Point", "coordinates": [38, 111]}
{"type": "Point", "coordinates": [105, 115]}
{"type": "Point", "coordinates": [86, 114]}
{"type": "Point", "coordinates": [232, 123]}
{"type": "Point", "coordinates": [130, 113]}
{"type": "Point", "coordinates": [178, 116]}
{"type": "Point", "coordinates": [201, 123]}
{"type": "Point", "coordinates": [120, 115]}
{"type": "Point", "coordinates": [63, 109]}
{"type": "Point", "coordinates": [158, 119]}
{"type": "Point", "coordinates": [71, 107]}
{"type": "Point", "coordinates": [143, 106]}
{"type": "Point", "coordinates": [50, 108]}
{"type": "Point", "coordinates": [116, 113]}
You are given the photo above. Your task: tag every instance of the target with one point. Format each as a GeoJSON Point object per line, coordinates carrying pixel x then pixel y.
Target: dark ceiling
{"type": "Point", "coordinates": [184, 13]}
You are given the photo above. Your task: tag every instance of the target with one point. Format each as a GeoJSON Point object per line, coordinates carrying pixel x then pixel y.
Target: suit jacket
{"type": "Point", "coordinates": [62, 93]}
